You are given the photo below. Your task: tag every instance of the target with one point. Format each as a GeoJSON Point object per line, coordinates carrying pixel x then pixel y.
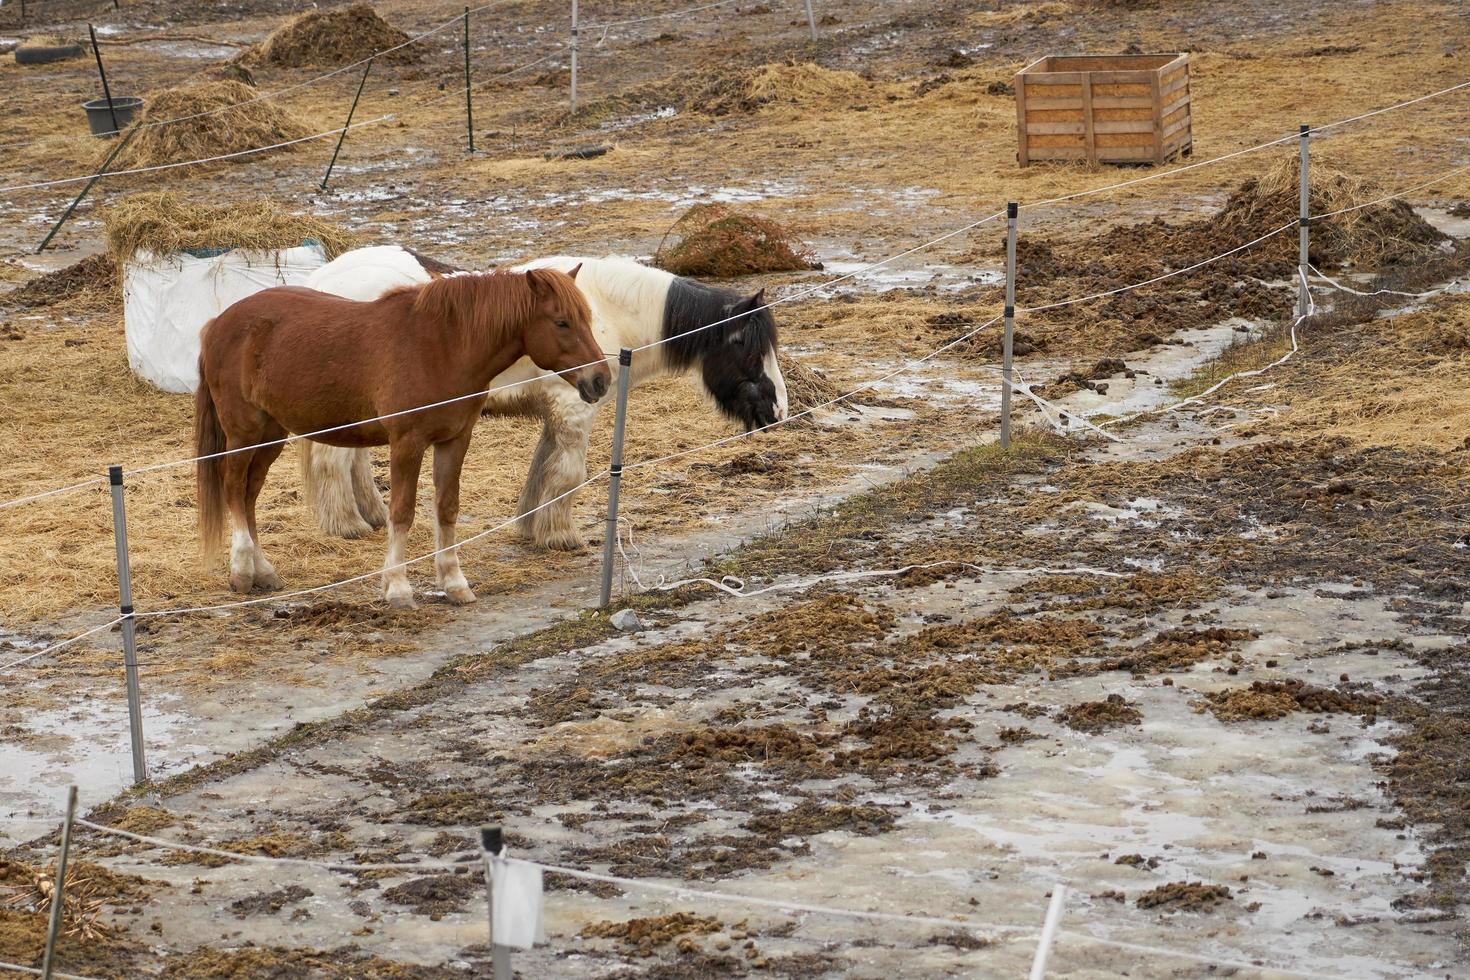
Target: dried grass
{"type": "Point", "coordinates": [805, 84]}
{"type": "Point", "coordinates": [162, 223]}
{"type": "Point", "coordinates": [215, 129]}
{"type": "Point", "coordinates": [719, 242]}
{"type": "Point", "coordinates": [333, 37]}
{"type": "Point", "coordinates": [805, 387]}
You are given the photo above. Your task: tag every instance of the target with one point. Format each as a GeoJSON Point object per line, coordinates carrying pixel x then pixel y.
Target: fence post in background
{"type": "Point", "coordinates": [58, 894]}
{"type": "Point", "coordinates": [469, 107]}
{"type": "Point", "coordinates": [1049, 931]}
{"type": "Point", "coordinates": [1304, 300]}
{"type": "Point", "coordinates": [811, 19]}
{"type": "Point", "coordinates": [615, 476]}
{"type": "Point", "coordinates": [102, 73]}
{"type": "Point", "coordinates": [129, 624]}
{"type": "Point", "coordinates": [1008, 339]}
{"type": "Point", "coordinates": [574, 55]}
{"type": "Point", "coordinates": [348, 124]}
{"type": "Point", "coordinates": [491, 844]}
{"type": "Point", "coordinates": [127, 137]}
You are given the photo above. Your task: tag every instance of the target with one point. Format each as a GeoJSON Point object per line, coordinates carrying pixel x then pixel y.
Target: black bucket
{"type": "Point", "coordinates": [99, 116]}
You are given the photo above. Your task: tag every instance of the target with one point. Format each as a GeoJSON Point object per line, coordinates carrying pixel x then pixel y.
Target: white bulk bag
{"type": "Point", "coordinates": [167, 300]}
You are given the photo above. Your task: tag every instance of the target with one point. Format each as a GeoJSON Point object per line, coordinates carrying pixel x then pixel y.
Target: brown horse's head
{"type": "Point", "coordinates": [558, 336]}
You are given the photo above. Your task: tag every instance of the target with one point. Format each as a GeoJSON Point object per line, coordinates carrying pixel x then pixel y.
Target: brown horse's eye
{"type": "Point", "coordinates": [563, 325]}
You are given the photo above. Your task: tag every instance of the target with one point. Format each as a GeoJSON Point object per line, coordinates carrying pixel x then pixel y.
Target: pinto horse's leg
{"type": "Point", "coordinates": [369, 502]}
{"type": "Point", "coordinates": [559, 465]}
{"type": "Point", "coordinates": [448, 461]}
{"type": "Point", "coordinates": [328, 473]}
{"type": "Point", "coordinates": [260, 464]}
{"type": "Point", "coordinates": [406, 456]}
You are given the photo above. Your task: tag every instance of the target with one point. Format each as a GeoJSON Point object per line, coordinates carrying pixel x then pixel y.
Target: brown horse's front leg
{"type": "Point", "coordinates": [448, 461]}
{"type": "Point", "coordinates": [406, 456]}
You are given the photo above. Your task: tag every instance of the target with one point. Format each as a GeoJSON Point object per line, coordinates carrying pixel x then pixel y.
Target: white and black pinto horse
{"type": "Point", "coordinates": [632, 305]}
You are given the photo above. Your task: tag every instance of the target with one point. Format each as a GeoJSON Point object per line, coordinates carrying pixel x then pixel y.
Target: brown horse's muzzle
{"type": "Point", "coordinates": [592, 383]}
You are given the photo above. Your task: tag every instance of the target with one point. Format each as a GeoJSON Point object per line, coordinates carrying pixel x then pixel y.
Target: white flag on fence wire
{"type": "Point", "coordinates": [517, 904]}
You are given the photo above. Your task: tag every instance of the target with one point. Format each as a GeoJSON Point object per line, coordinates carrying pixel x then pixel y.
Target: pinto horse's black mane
{"type": "Point", "coordinates": [690, 305]}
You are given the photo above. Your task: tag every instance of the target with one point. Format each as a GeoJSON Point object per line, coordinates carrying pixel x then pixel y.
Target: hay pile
{"type": "Point", "coordinates": [806, 387]}
{"type": "Point", "coordinates": [333, 37]}
{"type": "Point", "coordinates": [1373, 237]}
{"type": "Point", "coordinates": [210, 132]}
{"type": "Point", "coordinates": [721, 243]}
{"type": "Point", "coordinates": [161, 222]}
{"type": "Point", "coordinates": [722, 90]}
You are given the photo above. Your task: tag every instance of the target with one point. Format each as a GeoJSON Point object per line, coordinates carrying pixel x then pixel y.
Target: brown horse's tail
{"type": "Point", "coordinates": [209, 472]}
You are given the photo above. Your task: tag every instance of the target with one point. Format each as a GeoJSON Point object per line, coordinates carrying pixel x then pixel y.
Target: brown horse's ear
{"type": "Point", "coordinates": [573, 273]}
{"type": "Point", "coordinates": [535, 279]}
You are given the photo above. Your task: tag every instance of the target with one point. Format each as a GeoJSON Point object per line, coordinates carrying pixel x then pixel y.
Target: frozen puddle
{"type": "Point", "coordinates": [941, 276]}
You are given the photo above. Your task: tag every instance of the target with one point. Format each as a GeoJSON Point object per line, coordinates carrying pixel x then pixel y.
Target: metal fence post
{"type": "Point", "coordinates": [1049, 931]}
{"type": "Point", "coordinates": [53, 931]}
{"type": "Point", "coordinates": [615, 476]}
{"type": "Point", "coordinates": [574, 55]}
{"type": "Point", "coordinates": [492, 843]}
{"type": "Point", "coordinates": [129, 624]}
{"type": "Point", "coordinates": [469, 107]}
{"type": "Point", "coordinates": [1304, 299]}
{"type": "Point", "coordinates": [1008, 340]}
{"type": "Point", "coordinates": [347, 125]}
{"type": "Point", "coordinates": [127, 138]}
{"type": "Point", "coordinates": [811, 19]}
{"type": "Point", "coordinates": [102, 73]}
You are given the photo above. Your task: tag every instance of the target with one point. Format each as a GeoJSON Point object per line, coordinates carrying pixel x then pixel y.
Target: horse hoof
{"type": "Point", "coordinates": [240, 582]}
{"type": "Point", "coordinates": [351, 531]}
{"type": "Point", "coordinates": [269, 582]}
{"type": "Point", "coordinates": [403, 602]}
{"type": "Point", "coordinates": [461, 596]}
{"type": "Point", "coordinates": [565, 542]}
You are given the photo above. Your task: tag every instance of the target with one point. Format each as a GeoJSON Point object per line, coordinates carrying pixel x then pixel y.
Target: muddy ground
{"type": "Point", "coordinates": [1238, 635]}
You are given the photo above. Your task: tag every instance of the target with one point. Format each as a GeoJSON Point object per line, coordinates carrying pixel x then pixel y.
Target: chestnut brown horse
{"type": "Point", "coordinates": [294, 360]}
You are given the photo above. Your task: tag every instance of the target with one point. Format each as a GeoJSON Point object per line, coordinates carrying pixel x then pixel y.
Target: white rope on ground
{"type": "Point", "coordinates": [273, 94]}
{"type": "Point", "coordinates": [281, 596]}
{"type": "Point", "coordinates": [1380, 292]}
{"type": "Point", "coordinates": [17, 968]}
{"type": "Point", "coordinates": [64, 643]}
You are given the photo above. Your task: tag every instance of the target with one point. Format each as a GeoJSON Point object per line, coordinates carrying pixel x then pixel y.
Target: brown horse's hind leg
{"type": "Point", "coordinates": [448, 461]}
{"type": "Point", "coordinates": [242, 517]}
{"type": "Point", "coordinates": [260, 464]}
{"type": "Point", "coordinates": [406, 456]}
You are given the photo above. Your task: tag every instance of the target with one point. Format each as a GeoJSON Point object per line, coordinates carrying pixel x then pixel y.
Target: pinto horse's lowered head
{"type": "Point", "coordinates": [736, 358]}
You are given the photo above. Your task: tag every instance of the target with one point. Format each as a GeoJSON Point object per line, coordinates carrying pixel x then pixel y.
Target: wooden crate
{"type": "Point", "coordinates": [1131, 108]}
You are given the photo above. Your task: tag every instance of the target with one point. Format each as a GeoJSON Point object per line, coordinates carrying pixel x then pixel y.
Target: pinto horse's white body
{"type": "Point", "coordinates": [628, 310]}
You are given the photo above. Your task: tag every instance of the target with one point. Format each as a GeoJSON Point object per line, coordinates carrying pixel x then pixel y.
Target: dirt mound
{"type": "Point", "coordinates": [654, 930]}
{"type": "Point", "coordinates": [1098, 716]}
{"type": "Point", "coordinates": [723, 90]}
{"type": "Point", "coordinates": [1375, 235]}
{"type": "Point", "coordinates": [94, 278]}
{"type": "Point", "coordinates": [333, 37]}
{"type": "Point", "coordinates": [162, 223]}
{"type": "Point", "coordinates": [721, 243]}
{"type": "Point", "coordinates": [1185, 896]}
{"type": "Point", "coordinates": [217, 117]}
{"type": "Point", "coordinates": [1268, 700]}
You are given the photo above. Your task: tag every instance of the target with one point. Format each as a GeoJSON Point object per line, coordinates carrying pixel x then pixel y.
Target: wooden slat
{"type": "Point", "coordinates": [1023, 157]}
{"type": "Point", "coordinates": [1176, 105]}
{"type": "Point", "coordinates": [1073, 102]}
{"type": "Point", "coordinates": [1088, 128]}
{"type": "Point", "coordinates": [1047, 142]}
{"type": "Point", "coordinates": [1158, 124]}
{"type": "Point", "coordinates": [1121, 101]}
{"type": "Point", "coordinates": [1059, 153]}
{"type": "Point", "coordinates": [1098, 77]}
{"type": "Point", "coordinates": [1167, 89]}
{"type": "Point", "coordinates": [1144, 113]}
{"type": "Point", "coordinates": [1125, 126]}
{"type": "Point", "coordinates": [1182, 124]}
{"type": "Point", "coordinates": [1052, 115]}
{"type": "Point", "coordinates": [1173, 116]}
{"type": "Point", "coordinates": [1124, 139]}
{"type": "Point", "coordinates": [1115, 62]}
{"type": "Point", "coordinates": [1055, 128]}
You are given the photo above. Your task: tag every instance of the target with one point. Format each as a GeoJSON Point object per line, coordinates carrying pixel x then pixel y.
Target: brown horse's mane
{"type": "Point", "coordinates": [489, 304]}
